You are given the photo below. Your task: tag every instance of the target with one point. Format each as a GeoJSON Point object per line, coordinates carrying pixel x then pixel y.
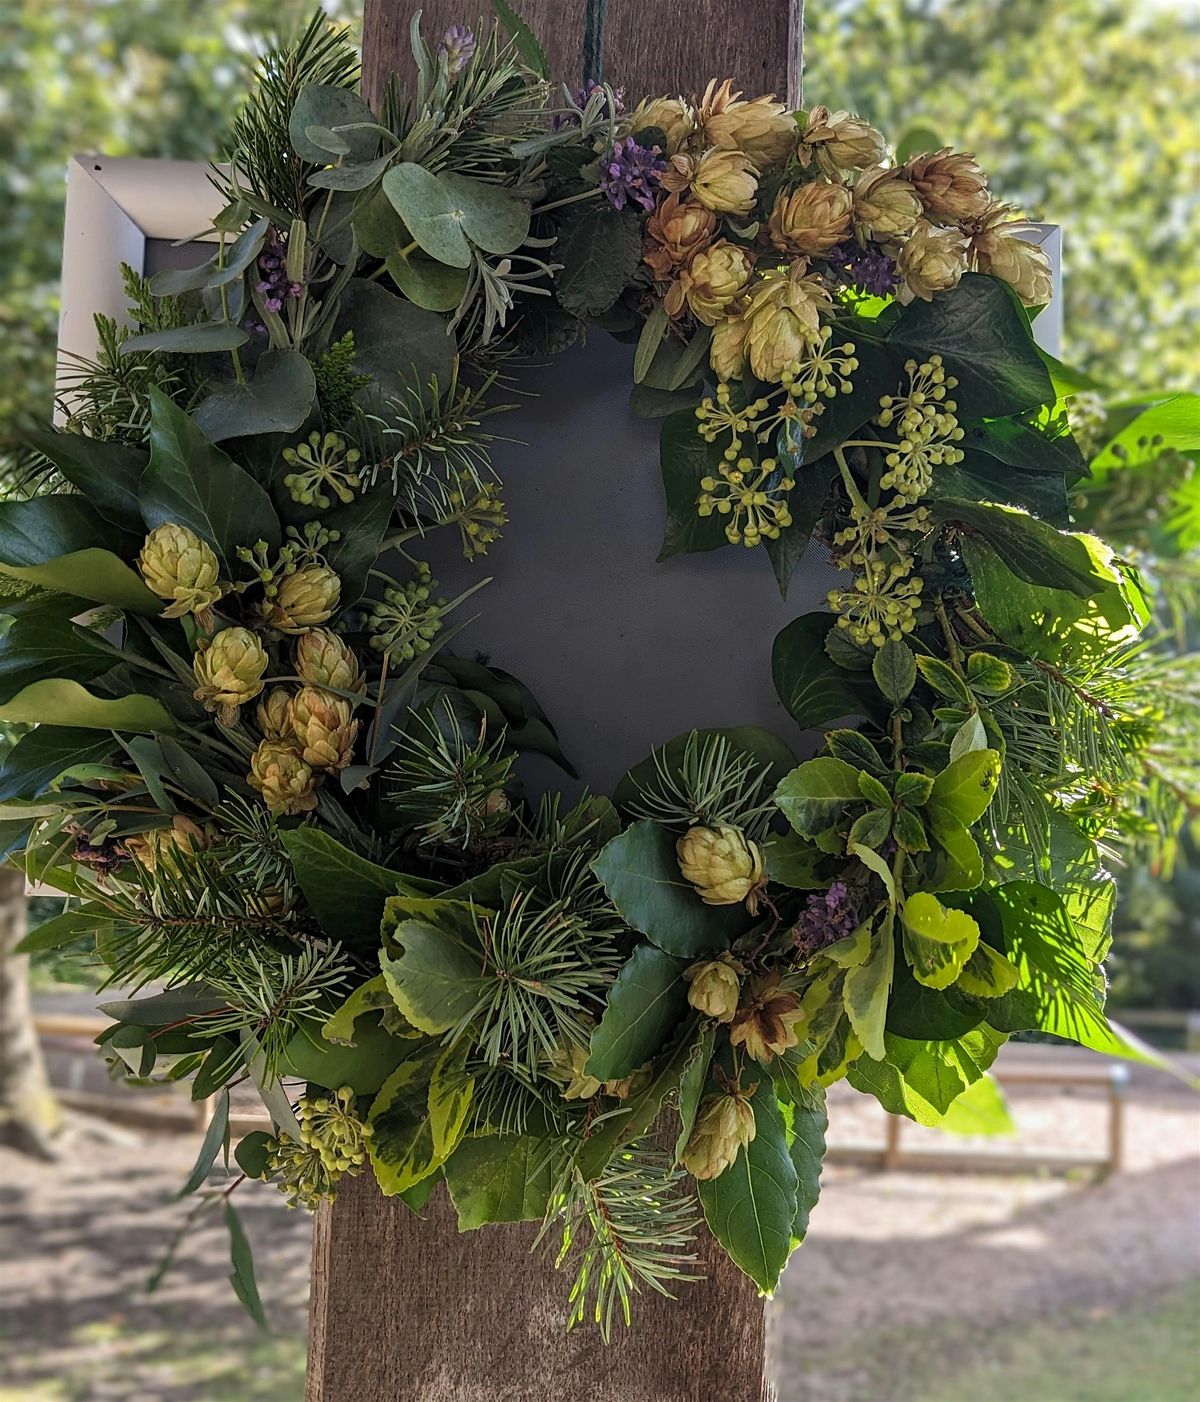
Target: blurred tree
{"type": "Point", "coordinates": [1155, 961]}
{"type": "Point", "coordinates": [1084, 113]}
{"type": "Point", "coordinates": [125, 77]}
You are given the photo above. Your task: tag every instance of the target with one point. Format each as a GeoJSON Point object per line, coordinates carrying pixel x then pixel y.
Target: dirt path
{"type": "Point", "coordinates": [894, 1265]}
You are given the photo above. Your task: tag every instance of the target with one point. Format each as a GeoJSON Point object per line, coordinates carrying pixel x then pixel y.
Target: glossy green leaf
{"type": "Point", "coordinates": [426, 282]}
{"type": "Point", "coordinates": [363, 1065]}
{"type": "Point", "coordinates": [752, 1206]}
{"type": "Point", "coordinates": [640, 871]}
{"type": "Point", "coordinates": [245, 1287]}
{"type": "Point", "coordinates": [499, 1178]}
{"type": "Point", "coordinates": [965, 787]}
{"type": "Point", "coordinates": [818, 793]}
{"type": "Point", "coordinates": [65, 703]}
{"type": "Point", "coordinates": [895, 670]}
{"type": "Point", "coordinates": [866, 989]}
{"type": "Point", "coordinates": [684, 458]}
{"type": "Point", "coordinates": [34, 649]}
{"type": "Point", "coordinates": [106, 473]}
{"type": "Point", "coordinates": [401, 1147]}
{"type": "Point", "coordinates": [346, 892]}
{"type": "Point", "coordinates": [437, 975]}
{"type": "Point", "coordinates": [813, 688]}
{"type": "Point", "coordinates": [644, 1005]}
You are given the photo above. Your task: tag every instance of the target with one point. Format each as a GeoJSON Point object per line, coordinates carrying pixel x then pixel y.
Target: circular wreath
{"type": "Point", "coordinates": [270, 789]}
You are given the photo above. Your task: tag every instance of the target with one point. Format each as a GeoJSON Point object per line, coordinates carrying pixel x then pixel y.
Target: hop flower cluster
{"type": "Point", "coordinates": [924, 422]}
{"type": "Point", "coordinates": [478, 511]}
{"type": "Point", "coordinates": [333, 1144]}
{"type": "Point", "coordinates": [321, 464]}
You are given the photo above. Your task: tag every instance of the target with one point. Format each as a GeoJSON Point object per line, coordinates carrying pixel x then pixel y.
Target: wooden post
{"type": "Point", "coordinates": [408, 1310]}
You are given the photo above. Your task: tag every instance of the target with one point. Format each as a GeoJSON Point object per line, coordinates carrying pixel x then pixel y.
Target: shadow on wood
{"type": "Point", "coordinates": [407, 1310]}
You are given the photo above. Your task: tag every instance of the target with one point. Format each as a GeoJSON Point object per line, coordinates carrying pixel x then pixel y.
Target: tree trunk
{"type": "Point", "coordinates": [408, 1310]}
{"type": "Point", "coordinates": [28, 1113]}
{"type": "Point", "coordinates": [647, 46]}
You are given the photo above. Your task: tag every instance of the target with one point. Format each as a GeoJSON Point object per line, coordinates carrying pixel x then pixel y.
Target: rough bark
{"type": "Point", "coordinates": [28, 1113]}
{"type": "Point", "coordinates": [409, 1310]}
{"type": "Point", "coordinates": [651, 46]}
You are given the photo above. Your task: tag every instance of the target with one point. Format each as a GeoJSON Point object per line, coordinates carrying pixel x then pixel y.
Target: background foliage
{"type": "Point", "coordinates": [1079, 111]}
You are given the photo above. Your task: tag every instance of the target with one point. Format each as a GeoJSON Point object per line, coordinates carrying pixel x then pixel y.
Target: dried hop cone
{"type": "Point", "coordinates": [840, 141]}
{"type": "Point", "coordinates": [950, 184]}
{"type": "Point", "coordinates": [568, 1070]}
{"type": "Point", "coordinates": [162, 846]}
{"type": "Point", "coordinates": [177, 565]}
{"type": "Point", "coordinates": [229, 672]}
{"type": "Point", "coordinates": [723, 181]}
{"type": "Point", "coordinates": [722, 863]}
{"type": "Point", "coordinates": [274, 714]}
{"type": "Point", "coordinates": [763, 128]}
{"type": "Point", "coordinates": [784, 316]}
{"type": "Point", "coordinates": [714, 986]}
{"type": "Point", "coordinates": [323, 659]}
{"type": "Point", "coordinates": [999, 249]}
{"type": "Point", "coordinates": [286, 783]}
{"type": "Point", "coordinates": [671, 115]}
{"type": "Point", "coordinates": [812, 219]}
{"type": "Point", "coordinates": [323, 728]}
{"type": "Point", "coordinates": [932, 260]}
{"type": "Point", "coordinates": [765, 1024]}
{"type": "Point", "coordinates": [885, 205]}
{"type": "Point", "coordinates": [306, 599]}
{"type": "Point", "coordinates": [727, 350]}
{"type": "Point", "coordinates": [677, 230]}
{"type": "Point", "coordinates": [724, 1126]}
{"type": "Point", "coordinates": [713, 282]}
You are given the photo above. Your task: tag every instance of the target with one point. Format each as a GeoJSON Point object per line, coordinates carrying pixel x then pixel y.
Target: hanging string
{"type": "Point", "coordinates": [593, 40]}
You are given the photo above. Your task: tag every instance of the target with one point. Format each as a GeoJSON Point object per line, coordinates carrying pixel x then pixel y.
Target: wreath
{"type": "Point", "coordinates": [272, 793]}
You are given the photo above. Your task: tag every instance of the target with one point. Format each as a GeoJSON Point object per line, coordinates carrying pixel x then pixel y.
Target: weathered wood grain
{"type": "Point", "coordinates": [651, 46]}
{"type": "Point", "coordinates": [405, 1310]}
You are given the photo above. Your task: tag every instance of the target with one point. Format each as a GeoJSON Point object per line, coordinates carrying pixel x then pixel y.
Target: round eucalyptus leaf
{"type": "Point", "coordinates": [428, 284]}
{"type": "Point", "coordinates": [326, 109]}
{"type": "Point", "coordinates": [493, 219]}
{"type": "Point", "coordinates": [432, 215]}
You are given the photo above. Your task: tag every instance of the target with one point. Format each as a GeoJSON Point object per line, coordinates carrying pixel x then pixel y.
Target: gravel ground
{"type": "Point", "coordinates": [895, 1264]}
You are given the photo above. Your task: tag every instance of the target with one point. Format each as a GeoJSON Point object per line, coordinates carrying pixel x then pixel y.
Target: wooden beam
{"type": "Point", "coordinates": [650, 46]}
{"type": "Point", "coordinates": [409, 1310]}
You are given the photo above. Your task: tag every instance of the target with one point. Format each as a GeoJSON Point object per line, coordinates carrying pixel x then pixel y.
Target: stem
{"type": "Point", "coordinates": [850, 484]}
{"type": "Point", "coordinates": [233, 354]}
{"type": "Point", "coordinates": [948, 633]}
{"type": "Point", "coordinates": [569, 199]}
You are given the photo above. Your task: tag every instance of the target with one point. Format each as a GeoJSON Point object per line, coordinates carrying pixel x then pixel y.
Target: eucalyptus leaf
{"type": "Point", "coordinates": [325, 106]}
{"type": "Point", "coordinates": [197, 338]}
{"type": "Point", "coordinates": [277, 398]}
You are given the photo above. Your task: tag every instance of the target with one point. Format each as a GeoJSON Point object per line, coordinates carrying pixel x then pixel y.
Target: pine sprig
{"type": "Point", "coordinates": [630, 1228]}
{"type": "Point", "coordinates": [711, 783]}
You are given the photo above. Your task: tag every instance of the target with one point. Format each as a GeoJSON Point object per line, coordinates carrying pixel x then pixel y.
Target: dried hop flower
{"type": "Point", "coordinates": [305, 599]}
{"type": "Point", "coordinates": [723, 181]}
{"type": "Point", "coordinates": [722, 863]}
{"type": "Point", "coordinates": [177, 565]}
{"type": "Point", "coordinates": [950, 184]}
{"type": "Point", "coordinates": [568, 1070]}
{"type": "Point", "coordinates": [670, 115]}
{"type": "Point", "coordinates": [229, 671]}
{"type": "Point", "coordinates": [840, 141]}
{"type": "Point", "coordinates": [323, 728]}
{"type": "Point", "coordinates": [727, 351]}
{"type": "Point", "coordinates": [932, 260]}
{"type": "Point", "coordinates": [812, 219]}
{"type": "Point", "coordinates": [885, 205]}
{"type": "Point", "coordinates": [714, 986]}
{"type": "Point", "coordinates": [161, 846]}
{"type": "Point", "coordinates": [712, 284]}
{"type": "Point", "coordinates": [274, 714]}
{"type": "Point", "coordinates": [763, 128]}
{"type": "Point", "coordinates": [998, 248]}
{"type": "Point", "coordinates": [724, 1126]}
{"type": "Point", "coordinates": [784, 317]}
{"type": "Point", "coordinates": [286, 783]}
{"type": "Point", "coordinates": [765, 1024]}
{"type": "Point", "coordinates": [324, 660]}
{"type": "Point", "coordinates": [677, 230]}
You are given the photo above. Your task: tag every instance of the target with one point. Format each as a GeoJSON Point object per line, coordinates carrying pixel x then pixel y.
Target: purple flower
{"type": "Point", "coordinates": [457, 46]}
{"type": "Point", "coordinates": [631, 172]}
{"type": "Point", "coordinates": [618, 94]}
{"type": "Point", "coordinates": [274, 285]}
{"type": "Point", "coordinates": [866, 269]}
{"type": "Point", "coordinates": [828, 916]}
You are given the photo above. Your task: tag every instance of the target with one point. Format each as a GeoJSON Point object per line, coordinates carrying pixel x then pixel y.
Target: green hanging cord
{"type": "Point", "coordinates": [593, 41]}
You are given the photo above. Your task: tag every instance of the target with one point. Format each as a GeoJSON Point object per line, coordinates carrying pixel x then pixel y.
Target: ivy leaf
{"type": "Point", "coordinates": [599, 249]}
{"type": "Point", "coordinates": [813, 688]}
{"type": "Point", "coordinates": [751, 1207]}
{"type": "Point", "coordinates": [644, 1004]}
{"type": "Point", "coordinates": [866, 990]}
{"type": "Point", "coordinates": [191, 482]}
{"type": "Point", "coordinates": [60, 543]}
{"type": "Point", "coordinates": [640, 871]}
{"type": "Point", "coordinates": [401, 346]}
{"type": "Point", "coordinates": [984, 340]}
{"type": "Point", "coordinates": [817, 793]}
{"type": "Point", "coordinates": [791, 861]}
{"type": "Point", "coordinates": [34, 649]}
{"type": "Point", "coordinates": [685, 458]}
{"type": "Point", "coordinates": [499, 1178]}
{"type": "Point", "coordinates": [106, 473]}
{"type": "Point", "coordinates": [965, 787]}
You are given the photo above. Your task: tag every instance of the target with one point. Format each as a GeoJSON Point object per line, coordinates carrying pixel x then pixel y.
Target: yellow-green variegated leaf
{"type": "Point", "coordinates": [59, 701]}
{"type": "Point", "coordinates": [866, 989]}
{"type": "Point", "coordinates": [938, 940]}
{"type": "Point", "coordinates": [450, 1092]}
{"type": "Point", "coordinates": [401, 1145]}
{"type": "Point", "coordinates": [987, 973]}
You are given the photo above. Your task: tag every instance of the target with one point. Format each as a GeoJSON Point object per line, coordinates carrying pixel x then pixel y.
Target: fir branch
{"type": "Point", "coordinates": [711, 783]}
{"type": "Point", "coordinates": [632, 1227]}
